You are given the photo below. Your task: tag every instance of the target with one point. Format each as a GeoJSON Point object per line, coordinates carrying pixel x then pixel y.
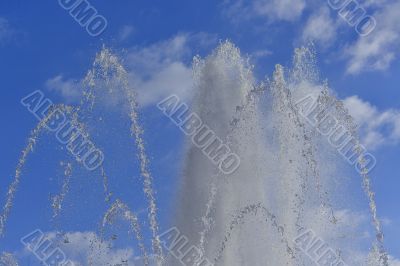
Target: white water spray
{"type": "Point", "coordinates": [282, 186]}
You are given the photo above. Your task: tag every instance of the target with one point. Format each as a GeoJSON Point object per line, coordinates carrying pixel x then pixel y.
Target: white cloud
{"type": "Point", "coordinates": [393, 261]}
{"type": "Point", "coordinates": [348, 234]}
{"type": "Point", "coordinates": [386, 221]}
{"type": "Point", "coordinates": [3, 27]}
{"type": "Point", "coordinates": [271, 10]}
{"type": "Point", "coordinates": [90, 247]}
{"type": "Point", "coordinates": [84, 247]}
{"type": "Point", "coordinates": [69, 89]}
{"type": "Point", "coordinates": [374, 52]}
{"type": "Point", "coordinates": [320, 28]}
{"type": "Point", "coordinates": [287, 10]}
{"type": "Point", "coordinates": [377, 128]}
{"type": "Point", "coordinates": [6, 31]}
{"type": "Point", "coordinates": [374, 3]}
{"type": "Point", "coordinates": [260, 54]}
{"type": "Point", "coordinates": [125, 32]}
{"type": "Point", "coordinates": [164, 68]}
{"type": "Point", "coordinates": [377, 50]}
{"type": "Point", "coordinates": [155, 71]}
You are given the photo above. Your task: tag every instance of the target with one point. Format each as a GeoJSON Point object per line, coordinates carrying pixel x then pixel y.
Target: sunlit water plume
{"type": "Point", "coordinates": [290, 179]}
{"type": "Point", "coordinates": [285, 165]}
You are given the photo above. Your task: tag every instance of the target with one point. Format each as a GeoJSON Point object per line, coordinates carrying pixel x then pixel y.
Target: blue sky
{"type": "Point", "coordinates": [43, 47]}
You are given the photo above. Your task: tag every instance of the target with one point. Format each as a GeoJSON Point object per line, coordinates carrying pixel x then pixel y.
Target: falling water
{"type": "Point", "coordinates": [223, 83]}
{"type": "Point", "coordinates": [268, 217]}
{"type": "Point", "coordinates": [280, 163]}
{"type": "Point", "coordinates": [107, 193]}
{"type": "Point", "coordinates": [285, 182]}
{"type": "Point", "coordinates": [378, 247]}
{"type": "Point", "coordinates": [108, 67]}
{"type": "Point", "coordinates": [130, 217]}
{"type": "Point", "coordinates": [17, 179]}
{"type": "Point", "coordinates": [32, 140]}
{"type": "Point", "coordinates": [58, 200]}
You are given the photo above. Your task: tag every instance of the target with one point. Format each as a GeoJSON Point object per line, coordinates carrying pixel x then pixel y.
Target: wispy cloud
{"type": "Point", "coordinates": [377, 50]}
{"type": "Point", "coordinates": [155, 71]}
{"type": "Point", "coordinates": [68, 89]}
{"type": "Point", "coordinates": [393, 261]}
{"type": "Point", "coordinates": [7, 33]}
{"type": "Point", "coordinates": [270, 10]}
{"type": "Point", "coordinates": [159, 69]}
{"type": "Point", "coordinates": [377, 128]}
{"type": "Point", "coordinates": [320, 28]}
{"type": "Point", "coordinates": [260, 54]}
{"type": "Point", "coordinates": [286, 10]}
{"type": "Point", "coordinates": [125, 32]}
{"type": "Point", "coordinates": [84, 248]}
{"type": "Point", "coordinates": [374, 52]}
{"type": "Point", "coordinates": [164, 68]}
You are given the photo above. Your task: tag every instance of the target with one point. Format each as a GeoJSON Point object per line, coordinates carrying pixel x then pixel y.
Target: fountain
{"type": "Point", "coordinates": [289, 181]}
